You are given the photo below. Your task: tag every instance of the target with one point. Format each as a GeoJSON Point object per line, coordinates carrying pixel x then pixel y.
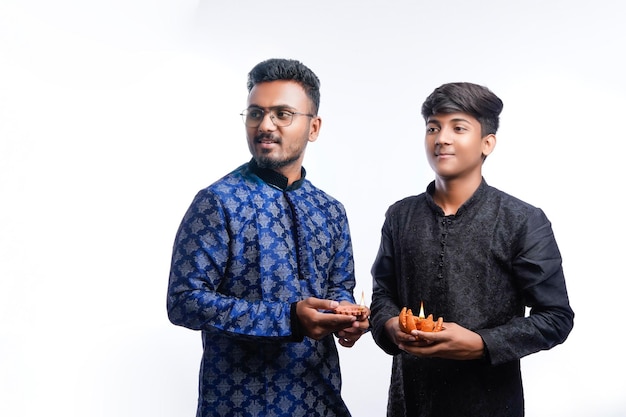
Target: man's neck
{"type": "Point", "coordinates": [276, 178]}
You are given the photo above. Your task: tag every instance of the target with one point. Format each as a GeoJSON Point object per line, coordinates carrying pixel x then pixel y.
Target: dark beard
{"type": "Point", "coordinates": [266, 162]}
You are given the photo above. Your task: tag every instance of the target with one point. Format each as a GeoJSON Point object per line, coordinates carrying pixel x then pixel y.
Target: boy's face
{"type": "Point", "coordinates": [455, 147]}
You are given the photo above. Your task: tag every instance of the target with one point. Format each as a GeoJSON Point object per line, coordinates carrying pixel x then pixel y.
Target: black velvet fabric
{"type": "Point", "coordinates": [479, 268]}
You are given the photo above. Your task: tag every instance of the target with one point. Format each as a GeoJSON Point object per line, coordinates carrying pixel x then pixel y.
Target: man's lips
{"type": "Point", "coordinates": [266, 139]}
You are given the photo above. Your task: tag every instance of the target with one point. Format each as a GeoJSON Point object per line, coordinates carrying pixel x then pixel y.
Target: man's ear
{"type": "Point", "coordinates": [314, 128]}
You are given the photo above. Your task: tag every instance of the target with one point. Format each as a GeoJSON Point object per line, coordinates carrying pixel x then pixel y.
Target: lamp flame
{"type": "Point", "coordinates": [421, 316]}
{"type": "Point", "coordinates": [362, 298]}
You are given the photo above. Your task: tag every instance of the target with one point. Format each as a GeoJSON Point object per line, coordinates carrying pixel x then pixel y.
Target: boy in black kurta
{"type": "Point", "coordinates": [476, 257]}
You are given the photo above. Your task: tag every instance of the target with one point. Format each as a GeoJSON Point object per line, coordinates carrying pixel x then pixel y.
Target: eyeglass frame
{"type": "Point", "coordinates": [272, 113]}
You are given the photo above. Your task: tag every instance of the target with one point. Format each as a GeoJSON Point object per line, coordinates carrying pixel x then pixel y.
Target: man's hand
{"type": "Point", "coordinates": [317, 324]}
{"type": "Point", "coordinates": [349, 336]}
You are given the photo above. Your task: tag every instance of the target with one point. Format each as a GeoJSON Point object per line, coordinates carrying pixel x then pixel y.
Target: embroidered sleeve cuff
{"type": "Point", "coordinates": [297, 335]}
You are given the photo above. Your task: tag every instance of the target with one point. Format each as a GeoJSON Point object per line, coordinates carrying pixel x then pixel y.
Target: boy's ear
{"type": "Point", "coordinates": [489, 143]}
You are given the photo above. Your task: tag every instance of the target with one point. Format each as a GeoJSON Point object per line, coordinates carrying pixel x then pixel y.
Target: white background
{"type": "Point", "coordinates": [113, 114]}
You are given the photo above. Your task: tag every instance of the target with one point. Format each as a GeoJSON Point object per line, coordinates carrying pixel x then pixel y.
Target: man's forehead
{"type": "Point", "coordinates": [283, 88]}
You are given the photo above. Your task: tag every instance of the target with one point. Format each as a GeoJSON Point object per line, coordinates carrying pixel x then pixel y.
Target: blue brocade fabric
{"type": "Point", "coordinates": [246, 250]}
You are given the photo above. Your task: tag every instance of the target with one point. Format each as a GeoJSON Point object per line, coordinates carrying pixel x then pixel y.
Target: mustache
{"type": "Point", "coordinates": [261, 137]}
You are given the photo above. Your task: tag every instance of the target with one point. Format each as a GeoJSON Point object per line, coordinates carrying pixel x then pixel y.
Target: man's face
{"type": "Point", "coordinates": [455, 147]}
{"type": "Point", "coordinates": [281, 148]}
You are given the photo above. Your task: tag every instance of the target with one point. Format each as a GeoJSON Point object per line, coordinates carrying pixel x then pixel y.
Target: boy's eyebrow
{"type": "Point", "coordinates": [460, 119]}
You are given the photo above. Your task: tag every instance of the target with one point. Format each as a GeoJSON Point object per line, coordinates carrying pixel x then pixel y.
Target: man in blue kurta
{"type": "Point", "coordinates": [261, 258]}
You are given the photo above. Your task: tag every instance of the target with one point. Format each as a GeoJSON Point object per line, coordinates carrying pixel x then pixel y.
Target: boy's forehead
{"type": "Point", "coordinates": [451, 117]}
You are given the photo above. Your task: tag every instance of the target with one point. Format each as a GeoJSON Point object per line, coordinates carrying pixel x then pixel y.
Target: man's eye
{"type": "Point", "coordinates": [255, 114]}
{"type": "Point", "coordinates": [431, 129]}
{"type": "Point", "coordinates": [283, 114]}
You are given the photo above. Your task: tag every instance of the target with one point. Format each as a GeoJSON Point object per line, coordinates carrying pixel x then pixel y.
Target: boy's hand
{"type": "Point", "coordinates": [453, 342]}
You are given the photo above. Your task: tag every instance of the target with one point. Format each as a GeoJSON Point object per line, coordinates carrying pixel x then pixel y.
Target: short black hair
{"type": "Point", "coordinates": [464, 97]}
{"type": "Point", "coordinates": [287, 69]}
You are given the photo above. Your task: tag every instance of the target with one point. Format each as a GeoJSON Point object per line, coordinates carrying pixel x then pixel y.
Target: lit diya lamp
{"type": "Point", "coordinates": [408, 322]}
{"type": "Point", "coordinates": [353, 309]}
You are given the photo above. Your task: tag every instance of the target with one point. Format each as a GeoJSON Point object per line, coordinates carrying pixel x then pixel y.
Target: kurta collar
{"type": "Point", "coordinates": [276, 179]}
{"type": "Point", "coordinates": [480, 191]}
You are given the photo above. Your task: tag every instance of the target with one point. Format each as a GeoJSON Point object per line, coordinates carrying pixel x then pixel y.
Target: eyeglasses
{"type": "Point", "coordinates": [280, 117]}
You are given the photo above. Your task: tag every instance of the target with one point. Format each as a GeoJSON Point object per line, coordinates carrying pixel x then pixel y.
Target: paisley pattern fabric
{"type": "Point", "coordinates": [478, 268]}
{"type": "Point", "coordinates": [247, 248]}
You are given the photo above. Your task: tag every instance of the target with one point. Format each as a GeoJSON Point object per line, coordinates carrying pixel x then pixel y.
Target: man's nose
{"type": "Point", "coordinates": [267, 123]}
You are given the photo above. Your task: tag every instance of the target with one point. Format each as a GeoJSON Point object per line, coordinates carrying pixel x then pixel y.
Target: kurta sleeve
{"type": "Point", "coordinates": [341, 276]}
{"type": "Point", "coordinates": [384, 300]}
{"type": "Point", "coordinates": [537, 268]}
{"type": "Point", "coordinates": [199, 262]}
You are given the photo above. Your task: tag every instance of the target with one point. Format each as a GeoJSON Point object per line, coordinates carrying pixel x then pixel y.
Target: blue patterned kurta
{"type": "Point", "coordinates": [246, 250]}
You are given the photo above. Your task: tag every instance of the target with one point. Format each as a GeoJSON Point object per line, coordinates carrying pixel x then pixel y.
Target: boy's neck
{"type": "Point", "coordinates": [450, 194]}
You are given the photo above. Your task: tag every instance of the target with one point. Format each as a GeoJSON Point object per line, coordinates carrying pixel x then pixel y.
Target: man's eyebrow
{"type": "Point", "coordinates": [278, 107]}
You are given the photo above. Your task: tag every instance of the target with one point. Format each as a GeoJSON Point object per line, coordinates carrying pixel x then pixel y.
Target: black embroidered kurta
{"type": "Point", "coordinates": [479, 268]}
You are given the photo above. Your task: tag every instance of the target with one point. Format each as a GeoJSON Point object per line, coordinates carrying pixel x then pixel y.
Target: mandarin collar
{"type": "Point", "coordinates": [480, 191]}
{"type": "Point", "coordinates": [276, 179]}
